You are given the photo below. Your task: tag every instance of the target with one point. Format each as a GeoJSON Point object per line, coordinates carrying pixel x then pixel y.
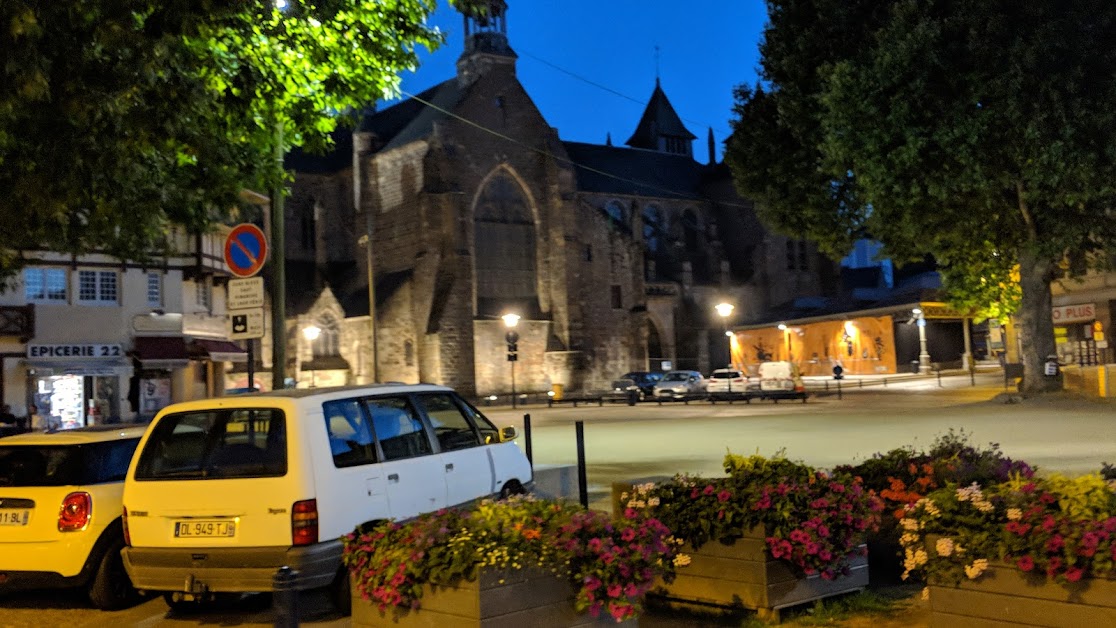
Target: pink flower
{"type": "Point", "coordinates": [631, 590]}
{"type": "Point", "coordinates": [708, 490]}
{"type": "Point", "coordinates": [812, 548]}
{"type": "Point", "coordinates": [595, 545]}
{"type": "Point", "coordinates": [614, 590]}
{"type": "Point", "coordinates": [723, 496]}
{"type": "Point", "coordinates": [627, 535]}
{"type": "Point", "coordinates": [1025, 563]}
{"type": "Point", "coordinates": [763, 504]}
{"type": "Point", "coordinates": [1056, 543]}
{"type": "Point", "coordinates": [823, 531]}
{"type": "Point", "coordinates": [630, 513]}
{"type": "Point", "coordinates": [1073, 574]}
{"type": "Point", "coordinates": [592, 583]}
{"type": "Point", "coordinates": [825, 555]}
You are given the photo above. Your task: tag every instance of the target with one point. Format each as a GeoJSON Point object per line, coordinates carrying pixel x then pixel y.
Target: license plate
{"type": "Point", "coordinates": [204, 529]}
{"type": "Point", "coordinates": [10, 517]}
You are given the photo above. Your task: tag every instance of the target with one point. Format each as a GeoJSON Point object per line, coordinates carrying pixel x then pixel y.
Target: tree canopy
{"type": "Point", "coordinates": [979, 132]}
{"type": "Point", "coordinates": [119, 118]}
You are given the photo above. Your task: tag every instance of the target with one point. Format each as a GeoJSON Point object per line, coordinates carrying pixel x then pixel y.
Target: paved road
{"type": "Point", "coordinates": [1057, 434]}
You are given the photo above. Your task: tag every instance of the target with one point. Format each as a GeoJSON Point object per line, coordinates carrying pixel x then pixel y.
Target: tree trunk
{"type": "Point", "coordinates": [1035, 324]}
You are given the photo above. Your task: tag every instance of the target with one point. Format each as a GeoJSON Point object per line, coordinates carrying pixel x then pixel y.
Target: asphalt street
{"type": "Point", "coordinates": [1058, 434]}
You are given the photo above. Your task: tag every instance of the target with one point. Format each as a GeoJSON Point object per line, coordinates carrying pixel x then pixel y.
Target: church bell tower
{"type": "Point", "coordinates": [486, 39]}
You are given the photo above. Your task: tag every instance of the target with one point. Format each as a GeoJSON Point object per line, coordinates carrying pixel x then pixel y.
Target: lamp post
{"type": "Point", "coordinates": [278, 260]}
{"type": "Point", "coordinates": [923, 354]}
{"type": "Point", "coordinates": [786, 337]}
{"type": "Point", "coordinates": [311, 334]}
{"type": "Point", "coordinates": [724, 310]}
{"type": "Point", "coordinates": [512, 338]}
{"type": "Point", "coordinates": [366, 242]}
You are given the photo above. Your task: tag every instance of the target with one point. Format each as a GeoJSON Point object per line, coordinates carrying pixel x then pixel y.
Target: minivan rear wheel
{"type": "Point", "coordinates": [513, 487]}
{"type": "Point", "coordinates": [340, 592]}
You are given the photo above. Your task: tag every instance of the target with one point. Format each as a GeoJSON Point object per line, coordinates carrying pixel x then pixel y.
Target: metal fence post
{"type": "Point", "coordinates": [285, 597]}
{"type": "Point", "coordinates": [582, 483]}
{"type": "Point", "coordinates": [527, 439]}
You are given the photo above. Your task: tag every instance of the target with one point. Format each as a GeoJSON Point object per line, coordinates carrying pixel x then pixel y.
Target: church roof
{"type": "Point", "coordinates": [634, 171]}
{"type": "Point", "coordinates": [659, 119]}
{"type": "Point", "coordinates": [412, 120]}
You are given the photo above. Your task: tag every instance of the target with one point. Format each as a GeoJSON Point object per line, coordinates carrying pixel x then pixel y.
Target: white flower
{"type": "Point", "coordinates": [623, 495]}
{"type": "Point", "coordinates": [909, 524]}
{"type": "Point", "coordinates": [944, 546]}
{"type": "Point", "coordinates": [1014, 514]}
{"type": "Point", "coordinates": [654, 501]}
{"type": "Point", "coordinates": [978, 567]}
{"type": "Point", "coordinates": [925, 593]}
{"type": "Point", "coordinates": [681, 560]}
{"type": "Point", "coordinates": [983, 506]}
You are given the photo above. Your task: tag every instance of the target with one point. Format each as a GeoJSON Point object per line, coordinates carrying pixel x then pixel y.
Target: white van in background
{"type": "Point", "coordinates": [223, 492]}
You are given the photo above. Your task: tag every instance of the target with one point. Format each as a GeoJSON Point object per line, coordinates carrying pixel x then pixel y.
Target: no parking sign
{"type": "Point", "coordinates": [245, 250]}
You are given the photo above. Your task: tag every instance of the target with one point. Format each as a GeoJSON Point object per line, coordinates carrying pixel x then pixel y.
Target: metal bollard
{"type": "Point", "coordinates": [582, 483]}
{"type": "Point", "coordinates": [527, 439]}
{"type": "Point", "coordinates": [285, 597]}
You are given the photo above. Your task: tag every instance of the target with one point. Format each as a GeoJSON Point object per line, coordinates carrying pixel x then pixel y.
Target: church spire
{"type": "Point", "coordinates": [660, 128]}
{"type": "Point", "coordinates": [486, 38]}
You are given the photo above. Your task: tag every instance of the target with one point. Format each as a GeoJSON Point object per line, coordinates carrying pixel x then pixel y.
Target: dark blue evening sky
{"type": "Point", "coordinates": [706, 47]}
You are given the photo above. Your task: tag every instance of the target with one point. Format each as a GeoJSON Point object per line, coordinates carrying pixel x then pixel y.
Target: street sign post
{"type": "Point", "coordinates": [245, 250]}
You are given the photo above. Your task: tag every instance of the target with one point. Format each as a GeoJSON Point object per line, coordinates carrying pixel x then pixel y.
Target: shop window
{"type": "Point", "coordinates": [45, 285]}
{"type": "Point", "coordinates": [97, 287]}
{"type": "Point", "coordinates": [154, 289]}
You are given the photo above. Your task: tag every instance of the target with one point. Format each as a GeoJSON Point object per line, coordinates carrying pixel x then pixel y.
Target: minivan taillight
{"type": "Point", "coordinates": [75, 512]}
{"type": "Point", "coordinates": [124, 522]}
{"type": "Point", "coordinates": [304, 522]}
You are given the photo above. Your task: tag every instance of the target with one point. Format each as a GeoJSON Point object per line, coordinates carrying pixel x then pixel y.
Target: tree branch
{"type": "Point", "coordinates": [1024, 209]}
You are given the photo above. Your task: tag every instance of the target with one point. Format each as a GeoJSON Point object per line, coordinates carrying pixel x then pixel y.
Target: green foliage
{"type": "Point", "coordinates": [118, 119]}
{"type": "Point", "coordinates": [975, 132]}
{"type": "Point", "coordinates": [813, 520]}
{"type": "Point", "coordinates": [612, 563]}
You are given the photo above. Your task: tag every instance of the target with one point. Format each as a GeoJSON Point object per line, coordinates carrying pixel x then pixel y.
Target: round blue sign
{"type": "Point", "coordinates": [245, 250]}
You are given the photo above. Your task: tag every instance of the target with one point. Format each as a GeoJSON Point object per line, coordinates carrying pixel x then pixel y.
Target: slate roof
{"type": "Point", "coordinates": [412, 120]}
{"type": "Point", "coordinates": [339, 158]}
{"type": "Point", "coordinates": [659, 118]}
{"type": "Point", "coordinates": [637, 172]}
{"type": "Point", "coordinates": [900, 298]}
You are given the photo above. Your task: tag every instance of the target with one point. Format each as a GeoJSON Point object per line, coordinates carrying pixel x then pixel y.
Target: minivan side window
{"type": "Point", "coordinates": [397, 428]}
{"type": "Point", "coordinates": [350, 437]}
{"type": "Point", "coordinates": [489, 433]}
{"type": "Point", "coordinates": [216, 444]}
{"type": "Point", "coordinates": [451, 427]}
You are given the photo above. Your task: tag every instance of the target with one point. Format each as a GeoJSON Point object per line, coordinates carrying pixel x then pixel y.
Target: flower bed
{"type": "Point", "coordinates": [1039, 549]}
{"type": "Point", "coordinates": [768, 535]}
{"type": "Point", "coordinates": [604, 567]}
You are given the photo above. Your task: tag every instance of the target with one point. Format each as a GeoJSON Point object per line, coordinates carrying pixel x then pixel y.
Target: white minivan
{"type": "Point", "coordinates": [223, 492]}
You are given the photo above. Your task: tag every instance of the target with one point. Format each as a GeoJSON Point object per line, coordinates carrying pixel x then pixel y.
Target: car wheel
{"type": "Point", "coordinates": [111, 589]}
{"type": "Point", "coordinates": [513, 487]}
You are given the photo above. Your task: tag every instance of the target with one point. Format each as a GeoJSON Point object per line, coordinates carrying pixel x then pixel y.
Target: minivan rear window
{"type": "Point", "coordinates": [216, 444]}
{"type": "Point", "coordinates": [66, 465]}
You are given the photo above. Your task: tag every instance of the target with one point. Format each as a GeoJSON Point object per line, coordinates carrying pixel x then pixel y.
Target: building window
{"type": "Point", "coordinates": [97, 286]}
{"type": "Point", "coordinates": [328, 342]}
{"type": "Point", "coordinates": [203, 295]}
{"type": "Point", "coordinates": [45, 285]}
{"type": "Point", "coordinates": [154, 289]}
{"type": "Point", "coordinates": [617, 216]}
{"type": "Point", "coordinates": [617, 298]}
{"type": "Point", "coordinates": [652, 228]}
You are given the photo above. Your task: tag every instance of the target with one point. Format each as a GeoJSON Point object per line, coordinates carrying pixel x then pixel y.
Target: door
{"type": "Point", "coordinates": [414, 479]}
{"type": "Point", "coordinates": [467, 466]}
{"type": "Point", "coordinates": [355, 489]}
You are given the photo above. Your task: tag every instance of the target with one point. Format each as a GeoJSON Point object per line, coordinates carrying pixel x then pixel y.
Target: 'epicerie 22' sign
{"type": "Point", "coordinates": [70, 351]}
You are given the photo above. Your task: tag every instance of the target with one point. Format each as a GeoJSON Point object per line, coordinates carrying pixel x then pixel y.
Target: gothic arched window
{"type": "Point", "coordinates": [652, 228]}
{"type": "Point", "coordinates": [504, 234]}
{"type": "Point", "coordinates": [328, 342]}
{"type": "Point", "coordinates": [617, 214]}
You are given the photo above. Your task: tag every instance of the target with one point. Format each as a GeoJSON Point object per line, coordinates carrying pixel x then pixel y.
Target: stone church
{"type": "Point", "coordinates": [463, 204]}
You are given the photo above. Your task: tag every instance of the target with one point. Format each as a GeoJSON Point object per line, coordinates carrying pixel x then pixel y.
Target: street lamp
{"type": "Point", "coordinates": [724, 310]}
{"type": "Point", "coordinates": [511, 319]}
{"type": "Point", "coordinates": [923, 354]}
{"type": "Point", "coordinates": [311, 334]}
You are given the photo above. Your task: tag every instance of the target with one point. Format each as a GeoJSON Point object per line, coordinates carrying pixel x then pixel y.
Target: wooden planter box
{"type": "Point", "coordinates": [1005, 596]}
{"type": "Point", "coordinates": [743, 574]}
{"type": "Point", "coordinates": [527, 597]}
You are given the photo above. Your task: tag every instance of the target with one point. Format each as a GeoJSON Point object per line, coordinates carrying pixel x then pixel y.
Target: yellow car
{"type": "Point", "coordinates": [60, 512]}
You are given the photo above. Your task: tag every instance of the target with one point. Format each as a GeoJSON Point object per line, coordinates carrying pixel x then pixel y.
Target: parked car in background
{"type": "Point", "coordinates": [725, 383]}
{"type": "Point", "coordinates": [645, 380]}
{"type": "Point", "coordinates": [781, 380]}
{"type": "Point", "coordinates": [60, 512]}
{"type": "Point", "coordinates": [623, 390]}
{"type": "Point", "coordinates": [680, 385]}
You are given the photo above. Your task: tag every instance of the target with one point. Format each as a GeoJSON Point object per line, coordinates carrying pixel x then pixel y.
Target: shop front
{"type": "Point", "coordinates": [78, 384]}
{"type": "Point", "coordinates": [1079, 335]}
{"type": "Point", "coordinates": [158, 358]}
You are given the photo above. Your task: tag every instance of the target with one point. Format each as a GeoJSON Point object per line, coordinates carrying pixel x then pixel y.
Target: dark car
{"type": "Point", "coordinates": [645, 381]}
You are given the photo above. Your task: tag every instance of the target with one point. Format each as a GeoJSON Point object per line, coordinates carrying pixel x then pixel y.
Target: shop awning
{"type": "Point", "coordinates": [218, 350]}
{"type": "Point", "coordinates": [161, 352]}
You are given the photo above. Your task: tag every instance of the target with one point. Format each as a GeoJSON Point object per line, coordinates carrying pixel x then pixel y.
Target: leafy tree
{"type": "Point", "coordinates": [979, 132]}
{"type": "Point", "coordinates": [119, 118]}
